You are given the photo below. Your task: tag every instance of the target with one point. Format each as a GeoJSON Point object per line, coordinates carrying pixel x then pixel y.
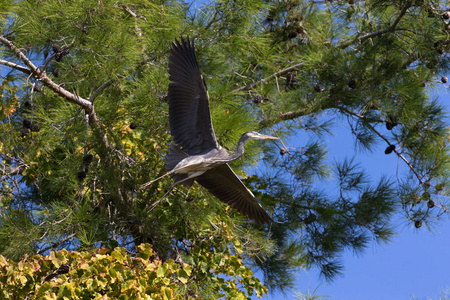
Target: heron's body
{"type": "Point", "coordinates": [196, 155]}
{"type": "Point", "coordinates": [196, 165]}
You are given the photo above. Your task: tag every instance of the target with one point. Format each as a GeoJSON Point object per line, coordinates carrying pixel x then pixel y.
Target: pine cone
{"type": "Point", "coordinates": [258, 99]}
{"type": "Point", "coordinates": [391, 123]}
{"type": "Point", "coordinates": [88, 158]}
{"type": "Point", "coordinates": [56, 48]}
{"type": "Point", "coordinates": [309, 219]}
{"type": "Point", "coordinates": [446, 15]}
{"type": "Point", "coordinates": [389, 149]}
{"type": "Point", "coordinates": [418, 223]}
{"type": "Point", "coordinates": [26, 123]}
{"type": "Point", "coordinates": [317, 88]}
{"type": "Point", "coordinates": [35, 127]}
{"type": "Point", "coordinates": [292, 34]}
{"type": "Point", "coordinates": [81, 175]}
{"type": "Point", "coordinates": [352, 84]}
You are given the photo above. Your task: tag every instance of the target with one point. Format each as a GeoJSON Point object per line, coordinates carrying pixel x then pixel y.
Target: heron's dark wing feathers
{"type": "Point", "coordinates": [189, 114]}
{"type": "Point", "coordinates": [223, 183]}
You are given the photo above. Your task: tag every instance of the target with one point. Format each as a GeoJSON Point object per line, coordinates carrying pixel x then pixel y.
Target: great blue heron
{"type": "Point", "coordinates": [196, 155]}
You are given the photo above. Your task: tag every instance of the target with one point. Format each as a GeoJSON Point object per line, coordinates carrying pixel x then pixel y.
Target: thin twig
{"type": "Point", "coordinates": [47, 62]}
{"type": "Point", "coordinates": [384, 138]}
{"type": "Point", "coordinates": [377, 33]}
{"type": "Point", "coordinates": [56, 244]}
{"type": "Point", "coordinates": [99, 89]}
{"type": "Point", "coordinates": [265, 80]}
{"type": "Point", "coordinates": [214, 18]}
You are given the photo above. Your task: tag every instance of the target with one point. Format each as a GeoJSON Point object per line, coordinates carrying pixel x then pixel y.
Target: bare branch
{"type": "Point", "coordinates": [15, 66]}
{"type": "Point", "coordinates": [291, 115]}
{"type": "Point", "coordinates": [99, 89]}
{"type": "Point", "coordinates": [136, 16]}
{"type": "Point", "coordinates": [46, 81]}
{"type": "Point", "coordinates": [132, 13]}
{"type": "Point", "coordinates": [265, 80]}
{"type": "Point", "coordinates": [284, 117]}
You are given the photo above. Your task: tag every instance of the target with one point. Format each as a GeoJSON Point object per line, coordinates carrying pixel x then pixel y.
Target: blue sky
{"type": "Point", "coordinates": [414, 265]}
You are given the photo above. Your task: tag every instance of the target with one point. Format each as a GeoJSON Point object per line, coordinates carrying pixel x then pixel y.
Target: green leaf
{"type": "Point", "coordinates": [117, 255]}
{"type": "Point", "coordinates": [182, 276]}
{"type": "Point", "coordinates": [66, 291]}
{"type": "Point", "coordinates": [162, 270]}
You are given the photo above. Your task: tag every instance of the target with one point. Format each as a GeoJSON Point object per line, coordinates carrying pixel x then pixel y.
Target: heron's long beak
{"type": "Point", "coordinates": [269, 137]}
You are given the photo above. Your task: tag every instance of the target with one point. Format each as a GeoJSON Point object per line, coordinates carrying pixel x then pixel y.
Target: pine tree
{"type": "Point", "coordinates": [84, 123]}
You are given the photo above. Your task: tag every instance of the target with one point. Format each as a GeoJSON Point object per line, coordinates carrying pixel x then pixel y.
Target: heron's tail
{"type": "Point", "coordinates": [173, 157]}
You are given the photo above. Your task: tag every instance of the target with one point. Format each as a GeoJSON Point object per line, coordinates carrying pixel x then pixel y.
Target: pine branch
{"type": "Point", "coordinates": [291, 115]}
{"type": "Point", "coordinates": [46, 81]}
{"type": "Point", "coordinates": [214, 18]}
{"type": "Point", "coordinates": [16, 169]}
{"type": "Point", "coordinates": [284, 117]}
{"type": "Point", "coordinates": [13, 170]}
{"type": "Point", "coordinates": [265, 80]}
{"type": "Point", "coordinates": [382, 137]}
{"type": "Point", "coordinates": [136, 16]}
{"type": "Point", "coordinates": [132, 13]}
{"type": "Point", "coordinates": [54, 245]}
{"type": "Point", "coordinates": [366, 36]}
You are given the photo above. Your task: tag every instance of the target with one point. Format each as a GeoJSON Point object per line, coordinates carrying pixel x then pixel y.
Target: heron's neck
{"type": "Point", "coordinates": [240, 148]}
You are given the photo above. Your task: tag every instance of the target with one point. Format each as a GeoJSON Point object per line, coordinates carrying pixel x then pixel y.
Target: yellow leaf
{"type": "Point", "coordinates": [3, 261]}
{"type": "Point", "coordinates": [167, 293]}
{"type": "Point", "coordinates": [187, 268]}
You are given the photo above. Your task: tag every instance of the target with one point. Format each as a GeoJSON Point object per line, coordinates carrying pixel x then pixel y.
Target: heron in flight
{"type": "Point", "coordinates": [196, 155]}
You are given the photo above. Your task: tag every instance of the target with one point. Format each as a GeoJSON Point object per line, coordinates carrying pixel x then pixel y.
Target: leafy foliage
{"type": "Point", "coordinates": [116, 274]}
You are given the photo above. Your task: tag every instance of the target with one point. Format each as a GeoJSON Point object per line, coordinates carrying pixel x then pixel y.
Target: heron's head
{"type": "Point", "coordinates": [253, 135]}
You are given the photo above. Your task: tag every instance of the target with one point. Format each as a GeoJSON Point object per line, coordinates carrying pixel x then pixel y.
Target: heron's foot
{"type": "Point", "coordinates": [145, 185]}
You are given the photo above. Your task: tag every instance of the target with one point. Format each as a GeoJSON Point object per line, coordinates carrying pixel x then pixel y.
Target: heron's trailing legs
{"type": "Point", "coordinates": [164, 196]}
{"type": "Point", "coordinates": [145, 185]}
{"type": "Point", "coordinates": [157, 202]}
{"type": "Point", "coordinates": [191, 175]}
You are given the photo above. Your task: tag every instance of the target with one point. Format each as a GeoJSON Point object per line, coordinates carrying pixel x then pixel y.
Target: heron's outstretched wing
{"type": "Point", "coordinates": [189, 115]}
{"type": "Point", "coordinates": [223, 183]}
